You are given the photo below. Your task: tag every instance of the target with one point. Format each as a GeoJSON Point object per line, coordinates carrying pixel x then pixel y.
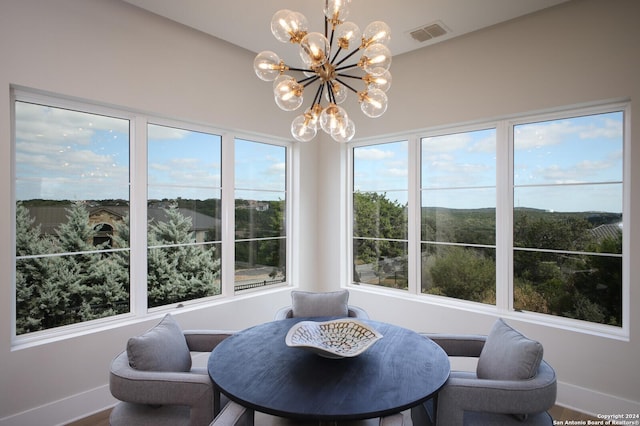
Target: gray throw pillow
{"type": "Point", "coordinates": [332, 304]}
{"type": "Point", "coordinates": [163, 348]}
{"type": "Point", "coordinates": [508, 355]}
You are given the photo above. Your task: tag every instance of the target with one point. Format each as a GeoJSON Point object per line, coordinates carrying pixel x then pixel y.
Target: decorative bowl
{"type": "Point", "coordinates": [341, 338]}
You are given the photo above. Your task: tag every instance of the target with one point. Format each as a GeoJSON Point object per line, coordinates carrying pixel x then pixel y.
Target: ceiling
{"type": "Point", "coordinates": [246, 23]}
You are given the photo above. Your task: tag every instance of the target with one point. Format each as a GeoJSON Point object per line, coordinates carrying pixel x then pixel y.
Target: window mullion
{"type": "Point", "coordinates": [504, 217]}
{"type": "Point", "coordinates": [228, 215]}
{"type": "Point", "coordinates": [413, 224]}
{"type": "Point", "coordinates": [138, 216]}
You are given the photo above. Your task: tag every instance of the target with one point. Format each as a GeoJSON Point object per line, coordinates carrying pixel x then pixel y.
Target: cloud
{"type": "Point", "coordinates": [397, 172]}
{"type": "Point", "coordinates": [581, 172]}
{"type": "Point", "coordinates": [372, 154]}
{"type": "Point", "coordinates": [611, 129]}
{"type": "Point", "coordinates": [155, 132]}
{"type": "Point", "coordinates": [537, 135]}
{"type": "Point", "coordinates": [447, 143]}
{"type": "Point", "coordinates": [277, 169]}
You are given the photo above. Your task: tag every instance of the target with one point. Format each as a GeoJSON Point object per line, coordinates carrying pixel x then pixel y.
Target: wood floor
{"type": "Point", "coordinates": [557, 412]}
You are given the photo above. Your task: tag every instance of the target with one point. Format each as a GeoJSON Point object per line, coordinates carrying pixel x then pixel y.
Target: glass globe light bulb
{"type": "Point", "coordinates": [345, 134]}
{"type": "Point", "coordinates": [314, 50]}
{"type": "Point", "coordinates": [376, 32]}
{"type": "Point", "coordinates": [267, 65]}
{"type": "Point", "coordinates": [373, 102]}
{"type": "Point", "coordinates": [279, 79]}
{"type": "Point", "coordinates": [314, 114]}
{"type": "Point", "coordinates": [288, 94]}
{"type": "Point", "coordinates": [339, 93]}
{"type": "Point", "coordinates": [348, 34]}
{"type": "Point", "coordinates": [302, 128]}
{"type": "Point", "coordinates": [333, 118]}
{"type": "Point", "coordinates": [382, 80]}
{"type": "Point", "coordinates": [288, 26]}
{"type": "Point", "coordinates": [336, 10]}
{"type": "Point", "coordinates": [376, 59]}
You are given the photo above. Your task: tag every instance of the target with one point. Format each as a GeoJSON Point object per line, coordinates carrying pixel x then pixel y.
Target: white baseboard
{"type": "Point", "coordinates": [592, 402]}
{"type": "Point", "coordinates": [65, 410]}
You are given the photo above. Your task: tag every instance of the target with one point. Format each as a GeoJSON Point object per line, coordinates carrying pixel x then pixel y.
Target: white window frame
{"type": "Point", "coordinates": [138, 214]}
{"type": "Point", "coordinates": [292, 205]}
{"type": "Point", "coordinates": [504, 218]}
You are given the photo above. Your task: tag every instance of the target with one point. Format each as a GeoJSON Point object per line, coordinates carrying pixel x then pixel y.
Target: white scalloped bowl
{"type": "Point", "coordinates": [341, 338]}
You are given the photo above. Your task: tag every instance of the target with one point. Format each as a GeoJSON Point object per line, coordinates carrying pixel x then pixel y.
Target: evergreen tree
{"type": "Point", "coordinates": [33, 277]}
{"type": "Point", "coordinates": [177, 270]}
{"type": "Point", "coordinates": [63, 280]}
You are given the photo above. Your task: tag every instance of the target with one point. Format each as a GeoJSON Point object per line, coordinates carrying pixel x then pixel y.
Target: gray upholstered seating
{"type": "Point", "coordinates": [331, 304]}
{"type": "Point", "coordinates": [155, 381]}
{"type": "Point", "coordinates": [512, 384]}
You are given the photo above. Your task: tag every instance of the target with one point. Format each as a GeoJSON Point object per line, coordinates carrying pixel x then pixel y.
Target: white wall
{"type": "Point", "coordinates": [110, 52]}
{"type": "Point", "coordinates": [107, 51]}
{"type": "Point", "coordinates": [581, 51]}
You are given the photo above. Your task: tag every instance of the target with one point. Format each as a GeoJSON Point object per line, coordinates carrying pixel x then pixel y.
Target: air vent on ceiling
{"type": "Point", "coordinates": [428, 32]}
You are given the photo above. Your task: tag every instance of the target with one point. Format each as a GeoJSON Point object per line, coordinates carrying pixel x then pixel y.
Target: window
{"type": "Point", "coordinates": [380, 191]}
{"type": "Point", "coordinates": [458, 215]}
{"type": "Point", "coordinates": [99, 236]}
{"type": "Point", "coordinates": [72, 196]}
{"type": "Point", "coordinates": [183, 214]}
{"type": "Point", "coordinates": [260, 214]}
{"type": "Point", "coordinates": [567, 214]}
{"type": "Point", "coordinates": [522, 215]}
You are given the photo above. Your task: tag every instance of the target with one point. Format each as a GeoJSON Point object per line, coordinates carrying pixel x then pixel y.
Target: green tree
{"type": "Point", "coordinates": [63, 280]}
{"type": "Point", "coordinates": [33, 275]}
{"type": "Point", "coordinates": [375, 216]}
{"type": "Point", "coordinates": [177, 270]}
{"type": "Point", "coordinates": [581, 286]}
{"type": "Point", "coordinates": [462, 273]}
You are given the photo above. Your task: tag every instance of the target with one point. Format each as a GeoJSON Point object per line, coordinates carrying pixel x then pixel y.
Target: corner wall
{"type": "Point", "coordinates": [578, 52]}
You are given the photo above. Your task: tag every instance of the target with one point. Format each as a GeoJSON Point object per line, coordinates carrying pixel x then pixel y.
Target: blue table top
{"type": "Point", "coordinates": [258, 370]}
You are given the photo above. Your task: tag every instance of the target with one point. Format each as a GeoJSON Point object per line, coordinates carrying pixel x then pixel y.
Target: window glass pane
{"type": "Point", "coordinates": [72, 213]}
{"type": "Point", "coordinates": [459, 215]}
{"type": "Point", "coordinates": [260, 166]}
{"type": "Point", "coordinates": [201, 207]}
{"type": "Point", "coordinates": [458, 211]}
{"type": "Point", "coordinates": [460, 272]}
{"type": "Point", "coordinates": [257, 216]}
{"type": "Point", "coordinates": [377, 216]}
{"type": "Point", "coordinates": [181, 272]}
{"type": "Point", "coordinates": [568, 201]}
{"type": "Point", "coordinates": [260, 214]}
{"type": "Point", "coordinates": [381, 262]}
{"type": "Point", "coordinates": [582, 227]}
{"type": "Point", "coordinates": [183, 215]}
{"type": "Point", "coordinates": [459, 160]}
{"type": "Point", "coordinates": [260, 263]}
{"type": "Point", "coordinates": [381, 168]}
{"type": "Point", "coordinates": [380, 214]}
{"type": "Point", "coordinates": [571, 150]}
{"type": "Point", "coordinates": [584, 287]}
{"type": "Point", "coordinates": [183, 158]}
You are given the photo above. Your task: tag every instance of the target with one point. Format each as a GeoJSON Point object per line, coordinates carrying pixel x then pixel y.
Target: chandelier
{"type": "Point", "coordinates": [325, 58]}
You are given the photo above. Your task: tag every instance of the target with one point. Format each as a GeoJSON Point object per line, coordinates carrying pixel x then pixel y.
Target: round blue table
{"type": "Point", "coordinates": [255, 368]}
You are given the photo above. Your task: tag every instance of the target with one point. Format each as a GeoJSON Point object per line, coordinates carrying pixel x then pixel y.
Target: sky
{"type": "Point", "coordinates": [572, 164]}
{"type": "Point", "coordinates": [62, 154]}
